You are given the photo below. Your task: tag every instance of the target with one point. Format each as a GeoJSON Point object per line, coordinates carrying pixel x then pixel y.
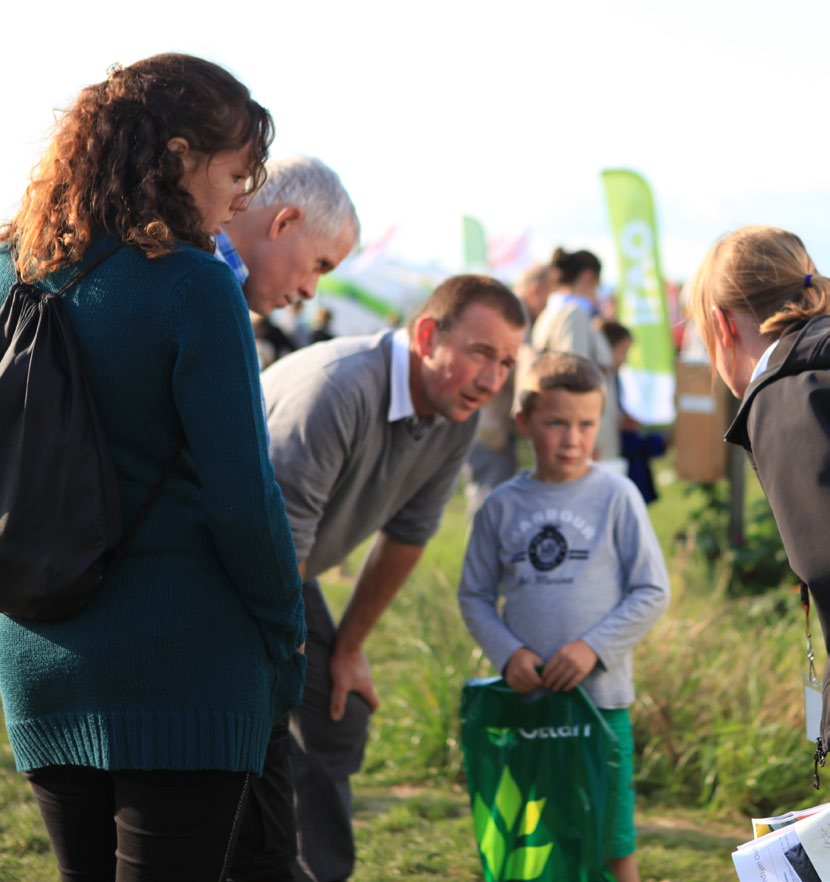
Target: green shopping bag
{"type": "Point", "coordinates": [542, 773]}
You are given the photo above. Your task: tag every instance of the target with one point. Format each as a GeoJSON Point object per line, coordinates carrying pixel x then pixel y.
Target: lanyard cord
{"type": "Point", "coordinates": [820, 756]}
{"type": "Point", "coordinates": [811, 656]}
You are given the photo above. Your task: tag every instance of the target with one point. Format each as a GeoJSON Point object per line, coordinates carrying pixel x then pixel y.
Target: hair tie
{"type": "Point", "coordinates": [808, 279]}
{"type": "Point", "coordinates": [113, 69]}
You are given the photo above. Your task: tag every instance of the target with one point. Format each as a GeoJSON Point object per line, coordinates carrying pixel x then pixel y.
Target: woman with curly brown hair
{"type": "Point", "coordinates": [139, 720]}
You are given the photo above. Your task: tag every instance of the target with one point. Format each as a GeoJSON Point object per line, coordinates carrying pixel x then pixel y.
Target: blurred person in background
{"type": "Point", "coordinates": [567, 325]}
{"type": "Point", "coordinates": [638, 447]}
{"type": "Point", "coordinates": [321, 329]}
{"type": "Point", "coordinates": [493, 457]}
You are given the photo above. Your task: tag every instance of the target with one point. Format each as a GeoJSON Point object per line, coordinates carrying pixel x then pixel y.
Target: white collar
{"type": "Point", "coordinates": [764, 360]}
{"type": "Point", "coordinates": [400, 395]}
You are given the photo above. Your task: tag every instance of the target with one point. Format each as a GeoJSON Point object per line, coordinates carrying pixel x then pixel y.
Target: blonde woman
{"type": "Point", "coordinates": [762, 311]}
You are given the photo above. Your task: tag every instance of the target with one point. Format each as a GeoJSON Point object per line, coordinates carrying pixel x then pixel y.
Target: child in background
{"type": "Point", "coordinates": [570, 547]}
{"type": "Point", "coordinates": [636, 446]}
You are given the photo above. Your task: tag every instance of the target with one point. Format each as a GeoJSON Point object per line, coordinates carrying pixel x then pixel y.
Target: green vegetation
{"type": "Point", "coordinates": [25, 855]}
{"type": "Point", "coordinates": [718, 719]}
{"type": "Point", "coordinates": [751, 566]}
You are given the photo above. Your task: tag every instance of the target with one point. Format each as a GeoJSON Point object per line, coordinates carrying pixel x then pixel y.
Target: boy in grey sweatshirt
{"type": "Point", "coordinates": [571, 549]}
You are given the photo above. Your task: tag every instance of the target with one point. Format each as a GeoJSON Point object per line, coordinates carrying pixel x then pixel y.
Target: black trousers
{"type": "Point", "coordinates": [322, 756]}
{"type": "Point", "coordinates": [135, 826]}
{"type": "Point", "coordinates": [267, 845]}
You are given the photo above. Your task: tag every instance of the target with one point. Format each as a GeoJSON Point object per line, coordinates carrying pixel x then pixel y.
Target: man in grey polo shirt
{"type": "Point", "coordinates": [368, 435]}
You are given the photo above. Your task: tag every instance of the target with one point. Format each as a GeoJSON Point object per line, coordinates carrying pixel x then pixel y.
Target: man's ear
{"type": "Point", "coordinates": [283, 219]}
{"type": "Point", "coordinates": [423, 335]}
{"type": "Point", "coordinates": [724, 326]}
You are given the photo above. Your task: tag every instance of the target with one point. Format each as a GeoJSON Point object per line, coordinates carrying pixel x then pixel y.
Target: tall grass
{"type": "Point", "coordinates": [719, 714]}
{"type": "Point", "coordinates": [718, 719]}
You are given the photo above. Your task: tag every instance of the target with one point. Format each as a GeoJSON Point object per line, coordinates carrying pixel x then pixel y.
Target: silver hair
{"type": "Point", "coordinates": [309, 184]}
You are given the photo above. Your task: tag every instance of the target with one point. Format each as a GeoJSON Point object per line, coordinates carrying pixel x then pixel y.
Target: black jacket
{"type": "Point", "coordinates": [784, 424]}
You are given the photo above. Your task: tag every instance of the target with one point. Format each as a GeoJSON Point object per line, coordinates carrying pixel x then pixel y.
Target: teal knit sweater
{"type": "Point", "coordinates": [187, 652]}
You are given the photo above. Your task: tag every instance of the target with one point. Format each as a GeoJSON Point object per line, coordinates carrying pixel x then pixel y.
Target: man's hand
{"type": "Point", "coordinates": [569, 666]}
{"type": "Point", "coordinates": [350, 672]}
{"type": "Point", "coordinates": [520, 670]}
{"type": "Point", "coordinates": [385, 569]}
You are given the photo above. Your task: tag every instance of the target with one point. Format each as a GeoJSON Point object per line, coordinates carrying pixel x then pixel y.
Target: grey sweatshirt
{"type": "Point", "coordinates": [573, 560]}
{"type": "Point", "coordinates": [345, 471]}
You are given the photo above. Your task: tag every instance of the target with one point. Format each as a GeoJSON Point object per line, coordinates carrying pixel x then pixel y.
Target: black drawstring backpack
{"type": "Point", "coordinates": [60, 508]}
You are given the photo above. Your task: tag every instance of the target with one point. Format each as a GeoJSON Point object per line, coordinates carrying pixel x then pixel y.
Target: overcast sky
{"type": "Point", "coordinates": [507, 112]}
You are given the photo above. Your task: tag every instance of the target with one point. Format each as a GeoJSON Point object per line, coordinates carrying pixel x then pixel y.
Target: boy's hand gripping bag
{"type": "Point", "coordinates": [542, 773]}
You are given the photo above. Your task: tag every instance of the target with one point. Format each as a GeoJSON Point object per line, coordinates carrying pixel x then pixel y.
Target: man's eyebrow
{"type": "Point", "coordinates": [492, 350]}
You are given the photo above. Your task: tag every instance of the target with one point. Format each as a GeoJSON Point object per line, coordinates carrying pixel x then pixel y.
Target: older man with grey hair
{"type": "Point", "coordinates": [300, 225]}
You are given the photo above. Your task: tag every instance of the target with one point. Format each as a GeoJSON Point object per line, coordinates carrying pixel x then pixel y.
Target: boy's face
{"type": "Point", "coordinates": [563, 430]}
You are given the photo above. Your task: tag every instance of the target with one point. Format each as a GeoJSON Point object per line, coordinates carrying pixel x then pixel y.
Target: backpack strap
{"type": "Point", "coordinates": [79, 275]}
{"type": "Point", "coordinates": [88, 269]}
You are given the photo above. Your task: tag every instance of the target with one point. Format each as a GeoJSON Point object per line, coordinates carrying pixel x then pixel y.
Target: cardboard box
{"type": "Point", "coordinates": [703, 414]}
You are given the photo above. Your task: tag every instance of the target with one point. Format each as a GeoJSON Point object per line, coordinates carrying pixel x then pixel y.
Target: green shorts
{"type": "Point", "coordinates": [624, 838]}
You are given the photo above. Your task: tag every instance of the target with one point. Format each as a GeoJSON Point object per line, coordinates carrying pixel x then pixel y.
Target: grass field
{"type": "Point", "coordinates": [718, 722]}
